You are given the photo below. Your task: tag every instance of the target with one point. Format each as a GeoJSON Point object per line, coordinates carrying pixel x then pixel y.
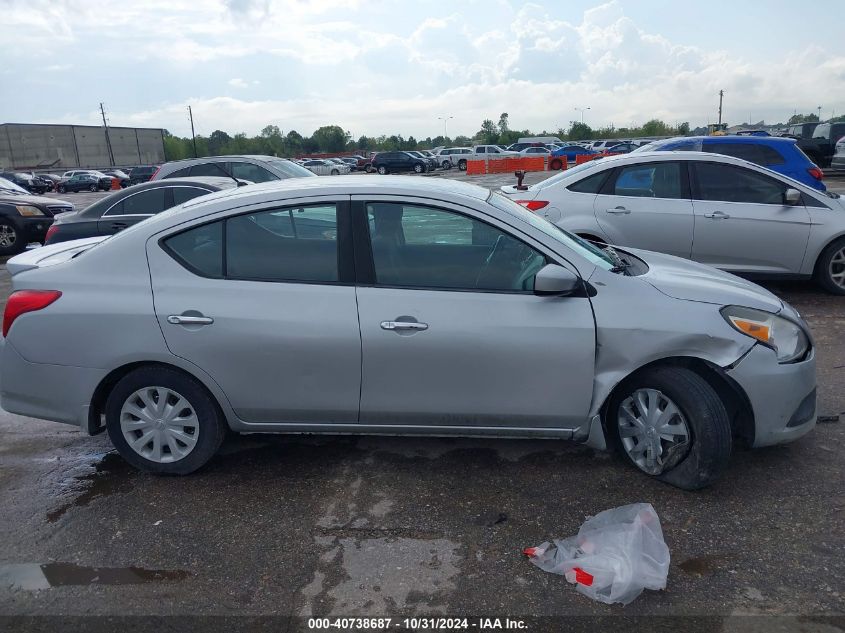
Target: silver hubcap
{"type": "Point", "coordinates": [836, 270]}
{"type": "Point", "coordinates": [159, 424]}
{"type": "Point", "coordinates": [7, 236]}
{"type": "Point", "coordinates": [653, 430]}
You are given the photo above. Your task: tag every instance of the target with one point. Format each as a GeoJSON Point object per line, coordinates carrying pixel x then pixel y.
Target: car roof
{"type": "Point", "coordinates": [224, 157]}
{"type": "Point", "coordinates": [343, 185]}
{"type": "Point", "coordinates": [732, 138]}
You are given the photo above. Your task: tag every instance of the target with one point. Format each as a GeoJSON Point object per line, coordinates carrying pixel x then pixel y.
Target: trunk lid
{"type": "Point", "coordinates": [51, 255]}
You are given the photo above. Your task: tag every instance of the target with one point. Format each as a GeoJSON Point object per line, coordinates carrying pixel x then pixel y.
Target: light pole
{"type": "Point", "coordinates": [581, 110]}
{"type": "Point", "coordinates": [444, 119]}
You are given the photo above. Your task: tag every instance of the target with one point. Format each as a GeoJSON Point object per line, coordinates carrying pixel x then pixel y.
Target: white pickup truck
{"type": "Point", "coordinates": [457, 156]}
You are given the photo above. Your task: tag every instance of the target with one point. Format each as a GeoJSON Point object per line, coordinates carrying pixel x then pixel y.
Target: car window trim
{"type": "Point", "coordinates": [168, 197]}
{"type": "Point", "coordinates": [365, 263]}
{"type": "Point", "coordinates": [345, 261]}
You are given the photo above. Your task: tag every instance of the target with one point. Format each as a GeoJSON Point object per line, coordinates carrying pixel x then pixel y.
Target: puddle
{"type": "Point", "coordinates": [703, 565]}
{"type": "Point", "coordinates": [31, 576]}
{"type": "Point", "coordinates": [110, 476]}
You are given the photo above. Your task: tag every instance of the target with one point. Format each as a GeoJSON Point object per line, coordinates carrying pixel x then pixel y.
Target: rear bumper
{"type": "Point", "coordinates": [782, 397]}
{"type": "Point", "coordinates": [49, 392]}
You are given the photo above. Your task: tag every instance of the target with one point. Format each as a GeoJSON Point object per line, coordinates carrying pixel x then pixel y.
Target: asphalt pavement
{"type": "Point", "coordinates": [347, 526]}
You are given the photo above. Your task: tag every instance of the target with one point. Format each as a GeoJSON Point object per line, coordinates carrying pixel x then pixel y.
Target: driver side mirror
{"type": "Point", "coordinates": [554, 280]}
{"type": "Point", "coordinates": [792, 196]}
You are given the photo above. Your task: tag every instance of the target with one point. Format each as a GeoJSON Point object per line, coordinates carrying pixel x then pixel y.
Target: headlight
{"type": "Point", "coordinates": [29, 211]}
{"type": "Point", "coordinates": [786, 337]}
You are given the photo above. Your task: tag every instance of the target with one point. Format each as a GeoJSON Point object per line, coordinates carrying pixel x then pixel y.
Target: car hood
{"type": "Point", "coordinates": [689, 281]}
{"type": "Point", "coordinates": [38, 201]}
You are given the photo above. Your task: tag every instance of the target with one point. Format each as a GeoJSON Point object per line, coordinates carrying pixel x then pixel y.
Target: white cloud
{"type": "Point", "coordinates": [237, 82]}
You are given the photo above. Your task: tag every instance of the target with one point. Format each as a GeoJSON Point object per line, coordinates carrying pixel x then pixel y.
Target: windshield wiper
{"type": "Point", "coordinates": [619, 265]}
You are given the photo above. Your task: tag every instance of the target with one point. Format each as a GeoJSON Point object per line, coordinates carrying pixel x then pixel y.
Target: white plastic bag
{"type": "Point", "coordinates": [615, 555]}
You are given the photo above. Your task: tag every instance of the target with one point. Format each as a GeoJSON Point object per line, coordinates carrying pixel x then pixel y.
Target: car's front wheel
{"type": "Point", "coordinates": [92, 188]}
{"type": "Point", "coordinates": [335, 172]}
{"type": "Point", "coordinates": [671, 424]}
{"type": "Point", "coordinates": [11, 242]}
{"type": "Point", "coordinates": [462, 165]}
{"type": "Point", "coordinates": [61, 189]}
{"type": "Point", "coordinates": [830, 270]}
{"type": "Point", "coordinates": [418, 169]}
{"type": "Point", "coordinates": [163, 421]}
{"type": "Point", "coordinates": [382, 170]}
{"type": "Point", "coordinates": [446, 165]}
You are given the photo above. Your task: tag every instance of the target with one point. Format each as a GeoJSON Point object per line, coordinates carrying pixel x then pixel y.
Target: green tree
{"type": "Point", "coordinates": [293, 143]}
{"type": "Point", "coordinates": [803, 118]}
{"type": "Point", "coordinates": [330, 138]}
{"type": "Point", "coordinates": [217, 141]}
{"type": "Point", "coordinates": [489, 133]}
{"type": "Point", "coordinates": [503, 123]}
{"type": "Point", "coordinates": [683, 128]}
{"type": "Point", "coordinates": [461, 141]}
{"type": "Point", "coordinates": [655, 127]}
{"type": "Point", "coordinates": [580, 132]}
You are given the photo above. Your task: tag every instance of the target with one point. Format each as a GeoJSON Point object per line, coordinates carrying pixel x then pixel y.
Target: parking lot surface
{"type": "Point", "coordinates": [374, 526]}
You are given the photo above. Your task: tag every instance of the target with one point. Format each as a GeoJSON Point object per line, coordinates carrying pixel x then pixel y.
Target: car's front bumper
{"type": "Point", "coordinates": [782, 396]}
{"type": "Point", "coordinates": [35, 229]}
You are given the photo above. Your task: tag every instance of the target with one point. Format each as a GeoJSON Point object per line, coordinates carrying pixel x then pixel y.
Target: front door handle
{"type": "Point", "coordinates": [619, 211]}
{"type": "Point", "coordinates": [119, 226]}
{"type": "Point", "coordinates": [403, 325]}
{"type": "Point", "coordinates": [717, 215]}
{"type": "Point", "coordinates": [180, 319]}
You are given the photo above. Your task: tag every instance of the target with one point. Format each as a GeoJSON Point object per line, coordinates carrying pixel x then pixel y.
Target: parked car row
{"type": "Point", "coordinates": [25, 218]}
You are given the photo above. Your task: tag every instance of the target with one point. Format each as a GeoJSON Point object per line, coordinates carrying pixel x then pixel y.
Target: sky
{"type": "Point", "coordinates": [403, 67]}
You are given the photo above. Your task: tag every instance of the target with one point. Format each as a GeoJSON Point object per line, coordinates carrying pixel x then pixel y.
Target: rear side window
{"type": "Point", "coordinates": [179, 173]}
{"type": "Point", "coordinates": [183, 194]}
{"type": "Point", "coordinates": [752, 152]}
{"type": "Point", "coordinates": [297, 244]}
{"type": "Point", "coordinates": [249, 171]}
{"type": "Point", "coordinates": [590, 184]}
{"type": "Point", "coordinates": [147, 202]}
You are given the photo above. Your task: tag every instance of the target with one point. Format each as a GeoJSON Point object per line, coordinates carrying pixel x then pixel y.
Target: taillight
{"type": "Point", "coordinates": [50, 233]}
{"type": "Point", "coordinates": [155, 173]}
{"type": "Point", "coordinates": [23, 301]}
{"type": "Point", "coordinates": [815, 172]}
{"type": "Point", "coordinates": [533, 205]}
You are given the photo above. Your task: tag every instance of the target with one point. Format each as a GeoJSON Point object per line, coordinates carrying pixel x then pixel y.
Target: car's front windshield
{"type": "Point", "coordinates": [586, 250]}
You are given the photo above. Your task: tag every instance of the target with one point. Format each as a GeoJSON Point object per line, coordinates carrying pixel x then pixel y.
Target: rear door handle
{"type": "Point", "coordinates": [118, 226]}
{"type": "Point", "coordinates": [619, 211]}
{"type": "Point", "coordinates": [403, 325]}
{"type": "Point", "coordinates": [717, 215]}
{"type": "Point", "coordinates": [179, 319]}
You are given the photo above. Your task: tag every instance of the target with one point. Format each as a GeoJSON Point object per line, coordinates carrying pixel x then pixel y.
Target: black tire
{"type": "Point", "coordinates": [708, 451]}
{"type": "Point", "coordinates": [446, 165]}
{"type": "Point", "coordinates": [12, 234]}
{"type": "Point", "coordinates": [555, 164]}
{"type": "Point", "coordinates": [61, 189]}
{"type": "Point", "coordinates": [418, 169]}
{"type": "Point", "coordinates": [93, 188]}
{"type": "Point", "coordinates": [212, 425]}
{"type": "Point", "coordinates": [382, 170]}
{"type": "Point", "coordinates": [368, 169]}
{"type": "Point", "coordinates": [823, 267]}
{"type": "Point", "coordinates": [335, 172]}
{"type": "Point", "coordinates": [462, 165]}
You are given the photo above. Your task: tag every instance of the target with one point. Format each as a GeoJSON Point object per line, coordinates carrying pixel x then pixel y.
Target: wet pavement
{"type": "Point", "coordinates": [375, 526]}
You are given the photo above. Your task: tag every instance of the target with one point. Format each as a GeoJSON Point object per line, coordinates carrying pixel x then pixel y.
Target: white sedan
{"type": "Point", "coordinates": [535, 151]}
{"type": "Point", "coordinates": [713, 209]}
{"type": "Point", "coordinates": [325, 167]}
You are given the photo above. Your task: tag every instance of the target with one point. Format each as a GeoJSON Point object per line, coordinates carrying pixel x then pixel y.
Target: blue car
{"type": "Point", "coordinates": [571, 152]}
{"type": "Point", "coordinates": [776, 153]}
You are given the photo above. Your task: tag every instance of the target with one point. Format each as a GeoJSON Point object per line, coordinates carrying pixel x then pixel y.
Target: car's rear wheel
{"type": "Point", "coordinates": [830, 269]}
{"type": "Point", "coordinates": [11, 241]}
{"type": "Point", "coordinates": [335, 172]}
{"type": "Point", "coordinates": [61, 189]}
{"type": "Point", "coordinates": [163, 421]}
{"type": "Point", "coordinates": [671, 424]}
{"type": "Point", "coordinates": [446, 165]}
{"type": "Point", "coordinates": [93, 188]}
{"type": "Point", "coordinates": [462, 165]}
{"type": "Point", "coordinates": [382, 170]}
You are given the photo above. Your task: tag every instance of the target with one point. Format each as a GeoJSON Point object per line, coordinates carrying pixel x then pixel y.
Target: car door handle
{"type": "Point", "coordinates": [119, 225]}
{"type": "Point", "coordinates": [717, 215]}
{"type": "Point", "coordinates": [403, 325]}
{"type": "Point", "coordinates": [180, 319]}
{"type": "Point", "coordinates": [619, 211]}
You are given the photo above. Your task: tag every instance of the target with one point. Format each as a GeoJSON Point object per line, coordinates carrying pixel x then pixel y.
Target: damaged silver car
{"type": "Point", "coordinates": [399, 306]}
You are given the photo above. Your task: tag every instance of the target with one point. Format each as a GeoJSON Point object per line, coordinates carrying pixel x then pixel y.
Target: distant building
{"type": "Point", "coordinates": [28, 146]}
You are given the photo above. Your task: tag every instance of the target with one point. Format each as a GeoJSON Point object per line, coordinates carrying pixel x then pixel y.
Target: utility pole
{"type": "Point", "coordinates": [582, 112]}
{"type": "Point", "coordinates": [820, 114]}
{"type": "Point", "coordinates": [108, 140]}
{"type": "Point", "coordinates": [193, 137]}
{"type": "Point", "coordinates": [445, 119]}
{"type": "Point", "coordinates": [721, 94]}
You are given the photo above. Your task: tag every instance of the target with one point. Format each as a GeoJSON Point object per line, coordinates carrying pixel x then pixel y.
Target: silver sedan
{"type": "Point", "coordinates": [713, 209]}
{"type": "Point", "coordinates": [398, 306]}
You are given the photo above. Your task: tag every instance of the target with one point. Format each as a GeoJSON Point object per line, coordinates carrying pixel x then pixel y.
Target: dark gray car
{"type": "Point", "coordinates": [131, 205]}
{"type": "Point", "coordinates": [252, 168]}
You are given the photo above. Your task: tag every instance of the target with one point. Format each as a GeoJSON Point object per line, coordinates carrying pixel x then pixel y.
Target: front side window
{"type": "Point", "coordinates": [728, 183]}
{"type": "Point", "coordinates": [248, 171]}
{"type": "Point", "coordinates": [423, 247]}
{"type": "Point", "coordinates": [292, 244]}
{"type": "Point", "coordinates": [649, 180]}
{"type": "Point", "coordinates": [210, 169]}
